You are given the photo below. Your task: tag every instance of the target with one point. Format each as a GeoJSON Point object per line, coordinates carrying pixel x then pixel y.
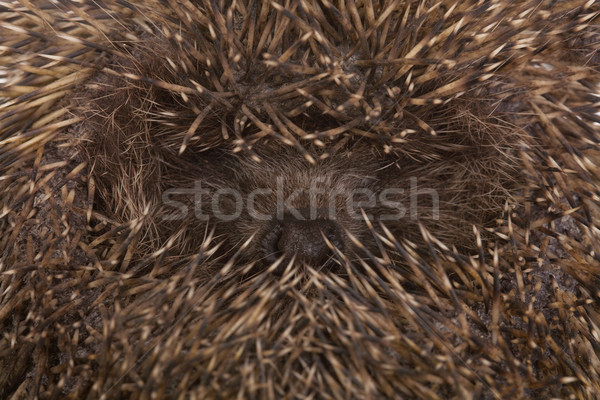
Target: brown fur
{"type": "Point", "coordinates": [105, 108]}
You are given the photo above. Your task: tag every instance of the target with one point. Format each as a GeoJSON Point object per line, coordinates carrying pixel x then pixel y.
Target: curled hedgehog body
{"type": "Point", "coordinates": [298, 199]}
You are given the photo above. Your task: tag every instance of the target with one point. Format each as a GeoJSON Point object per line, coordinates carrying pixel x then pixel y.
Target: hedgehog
{"type": "Point", "coordinates": [300, 199]}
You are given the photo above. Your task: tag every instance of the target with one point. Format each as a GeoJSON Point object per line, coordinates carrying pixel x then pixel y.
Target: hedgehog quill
{"type": "Point", "coordinates": [300, 199]}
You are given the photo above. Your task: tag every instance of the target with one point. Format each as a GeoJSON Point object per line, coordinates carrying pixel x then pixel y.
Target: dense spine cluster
{"type": "Point", "coordinates": [105, 105]}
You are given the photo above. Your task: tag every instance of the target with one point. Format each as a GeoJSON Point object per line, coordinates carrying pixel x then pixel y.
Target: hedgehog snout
{"type": "Point", "coordinates": [302, 238]}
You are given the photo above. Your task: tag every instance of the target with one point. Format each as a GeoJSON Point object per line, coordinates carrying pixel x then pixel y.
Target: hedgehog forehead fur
{"type": "Point", "coordinates": [299, 199]}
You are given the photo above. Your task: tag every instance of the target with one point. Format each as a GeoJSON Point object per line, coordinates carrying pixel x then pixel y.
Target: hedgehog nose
{"type": "Point", "coordinates": [303, 238]}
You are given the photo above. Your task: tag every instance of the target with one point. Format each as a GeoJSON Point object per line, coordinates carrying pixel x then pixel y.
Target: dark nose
{"type": "Point", "coordinates": [303, 238]}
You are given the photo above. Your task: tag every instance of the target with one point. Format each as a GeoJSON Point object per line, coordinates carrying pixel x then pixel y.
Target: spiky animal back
{"type": "Point", "coordinates": [94, 304]}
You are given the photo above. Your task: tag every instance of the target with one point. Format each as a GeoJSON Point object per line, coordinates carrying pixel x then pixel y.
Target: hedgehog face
{"type": "Point", "coordinates": [301, 168]}
{"type": "Point", "coordinates": [295, 208]}
{"type": "Point", "coordinates": [312, 204]}
{"type": "Point", "coordinates": [190, 167]}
